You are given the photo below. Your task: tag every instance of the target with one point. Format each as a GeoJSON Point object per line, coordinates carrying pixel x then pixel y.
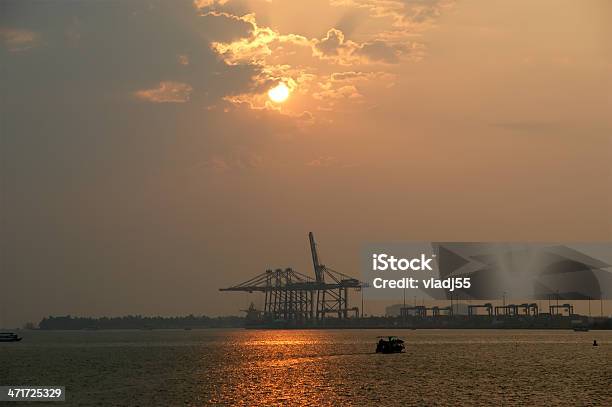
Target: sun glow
{"type": "Point", "coordinates": [279, 93]}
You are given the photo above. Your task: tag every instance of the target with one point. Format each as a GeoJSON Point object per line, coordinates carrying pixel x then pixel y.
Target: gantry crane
{"type": "Point", "coordinates": [295, 297]}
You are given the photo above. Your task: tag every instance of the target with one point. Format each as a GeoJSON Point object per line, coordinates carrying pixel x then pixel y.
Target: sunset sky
{"type": "Point", "coordinates": [145, 162]}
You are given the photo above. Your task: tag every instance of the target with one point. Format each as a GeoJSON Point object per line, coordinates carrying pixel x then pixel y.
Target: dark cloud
{"type": "Point", "coordinates": [223, 27]}
{"type": "Point", "coordinates": [332, 43]}
{"type": "Point", "coordinates": [380, 51]}
{"type": "Point", "coordinates": [88, 169]}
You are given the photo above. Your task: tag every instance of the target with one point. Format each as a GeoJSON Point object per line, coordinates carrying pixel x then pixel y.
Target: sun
{"type": "Point", "coordinates": [279, 93]}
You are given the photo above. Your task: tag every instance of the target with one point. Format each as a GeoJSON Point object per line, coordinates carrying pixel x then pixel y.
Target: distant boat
{"type": "Point", "coordinates": [392, 344]}
{"type": "Point", "coordinates": [9, 337]}
{"type": "Point", "coordinates": [581, 329]}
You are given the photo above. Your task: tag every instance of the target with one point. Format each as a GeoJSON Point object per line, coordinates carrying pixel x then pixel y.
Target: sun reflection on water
{"type": "Point", "coordinates": [324, 368]}
{"type": "Point", "coordinates": [280, 368]}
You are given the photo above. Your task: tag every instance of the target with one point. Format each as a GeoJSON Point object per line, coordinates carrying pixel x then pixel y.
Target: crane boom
{"type": "Point", "coordinates": [318, 268]}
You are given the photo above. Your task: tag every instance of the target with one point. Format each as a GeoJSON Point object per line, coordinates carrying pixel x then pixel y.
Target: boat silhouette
{"type": "Point", "coordinates": [392, 344]}
{"type": "Point", "coordinates": [9, 337]}
{"type": "Point", "coordinates": [581, 329]}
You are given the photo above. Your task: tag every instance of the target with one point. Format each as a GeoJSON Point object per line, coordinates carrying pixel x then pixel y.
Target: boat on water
{"type": "Point", "coordinates": [581, 329]}
{"type": "Point", "coordinates": [9, 337]}
{"type": "Point", "coordinates": [389, 344]}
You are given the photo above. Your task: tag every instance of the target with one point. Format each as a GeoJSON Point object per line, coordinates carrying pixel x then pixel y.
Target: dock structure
{"type": "Point", "coordinates": [296, 298]}
{"type": "Point", "coordinates": [422, 311]}
{"type": "Point", "coordinates": [515, 310]}
{"type": "Point", "coordinates": [529, 309]}
{"type": "Point", "coordinates": [442, 311]}
{"type": "Point", "coordinates": [488, 307]}
{"type": "Point", "coordinates": [417, 311]}
{"type": "Point", "coordinates": [510, 310]}
{"type": "Point", "coordinates": [554, 309]}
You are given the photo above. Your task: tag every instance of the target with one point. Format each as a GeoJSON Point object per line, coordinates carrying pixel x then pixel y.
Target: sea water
{"type": "Point", "coordinates": [314, 367]}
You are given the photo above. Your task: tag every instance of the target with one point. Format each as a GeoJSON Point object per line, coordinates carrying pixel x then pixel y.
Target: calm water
{"type": "Point", "coordinates": [240, 367]}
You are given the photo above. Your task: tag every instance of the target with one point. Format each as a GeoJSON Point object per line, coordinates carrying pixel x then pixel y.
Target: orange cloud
{"type": "Point", "coordinates": [345, 52]}
{"type": "Point", "coordinates": [323, 161]}
{"type": "Point", "coordinates": [333, 46]}
{"type": "Point", "coordinates": [183, 60]}
{"type": "Point", "coordinates": [16, 40]}
{"type": "Point", "coordinates": [352, 76]}
{"type": "Point", "coordinates": [255, 48]}
{"type": "Point", "coordinates": [403, 15]}
{"type": "Point", "coordinates": [313, 67]}
{"type": "Point", "coordinates": [166, 92]}
{"type": "Point", "coordinates": [200, 4]}
{"type": "Point", "coordinates": [347, 91]}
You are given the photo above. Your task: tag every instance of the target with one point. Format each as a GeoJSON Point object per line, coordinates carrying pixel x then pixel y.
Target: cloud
{"type": "Point", "coordinates": [323, 161]}
{"type": "Point", "coordinates": [345, 52]}
{"type": "Point", "coordinates": [312, 67]}
{"type": "Point", "coordinates": [404, 15]}
{"type": "Point", "coordinates": [202, 4]}
{"type": "Point", "coordinates": [380, 51]}
{"type": "Point", "coordinates": [166, 92]}
{"type": "Point", "coordinates": [183, 60]}
{"type": "Point", "coordinates": [296, 61]}
{"type": "Point", "coordinates": [342, 92]}
{"type": "Point", "coordinates": [257, 46]}
{"type": "Point", "coordinates": [16, 40]}
{"type": "Point", "coordinates": [305, 119]}
{"type": "Point", "coordinates": [335, 47]}
{"type": "Point", "coordinates": [264, 43]}
{"type": "Point", "coordinates": [352, 76]}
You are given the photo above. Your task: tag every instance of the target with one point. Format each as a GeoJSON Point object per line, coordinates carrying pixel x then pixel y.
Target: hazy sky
{"type": "Point", "coordinates": [143, 165]}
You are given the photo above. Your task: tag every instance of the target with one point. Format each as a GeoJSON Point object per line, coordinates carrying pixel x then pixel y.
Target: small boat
{"type": "Point", "coordinates": [581, 329]}
{"type": "Point", "coordinates": [9, 337]}
{"type": "Point", "coordinates": [392, 344]}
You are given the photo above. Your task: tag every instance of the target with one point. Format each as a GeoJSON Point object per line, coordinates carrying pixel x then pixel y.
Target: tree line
{"type": "Point", "coordinates": [140, 322]}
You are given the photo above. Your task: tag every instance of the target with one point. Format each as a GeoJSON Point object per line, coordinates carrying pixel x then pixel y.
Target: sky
{"type": "Point", "coordinates": [143, 164]}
